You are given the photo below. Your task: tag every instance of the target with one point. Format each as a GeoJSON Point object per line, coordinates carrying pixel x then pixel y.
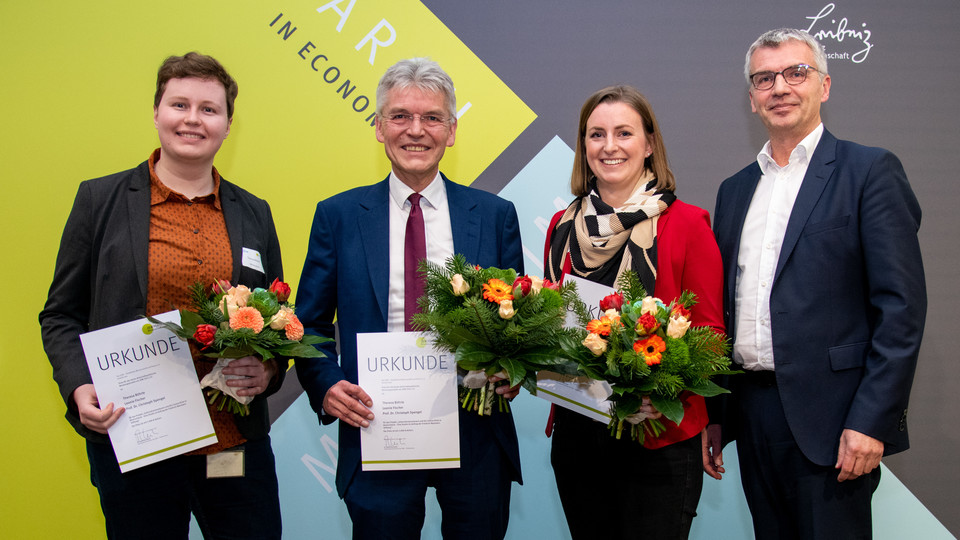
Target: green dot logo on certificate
{"type": "Point", "coordinates": [415, 420]}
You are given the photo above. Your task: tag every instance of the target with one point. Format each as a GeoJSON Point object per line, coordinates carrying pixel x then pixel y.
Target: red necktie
{"type": "Point", "coordinates": [414, 249]}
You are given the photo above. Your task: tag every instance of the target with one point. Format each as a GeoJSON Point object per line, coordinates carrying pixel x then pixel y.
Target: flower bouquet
{"type": "Point", "coordinates": [496, 323]}
{"type": "Point", "coordinates": [232, 322]}
{"type": "Point", "coordinates": [643, 347]}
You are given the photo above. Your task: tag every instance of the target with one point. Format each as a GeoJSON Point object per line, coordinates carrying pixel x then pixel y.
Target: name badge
{"type": "Point", "coordinates": [226, 464]}
{"type": "Point", "coordinates": [251, 259]}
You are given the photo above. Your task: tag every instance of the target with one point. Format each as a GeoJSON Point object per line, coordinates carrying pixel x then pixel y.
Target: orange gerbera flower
{"type": "Point", "coordinates": [247, 317]}
{"type": "Point", "coordinates": [602, 325]}
{"type": "Point", "coordinates": [651, 349]}
{"type": "Point", "coordinates": [496, 291]}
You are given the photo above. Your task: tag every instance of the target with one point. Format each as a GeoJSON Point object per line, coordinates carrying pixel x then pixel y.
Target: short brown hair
{"type": "Point", "coordinates": [199, 66]}
{"type": "Point", "coordinates": [657, 162]}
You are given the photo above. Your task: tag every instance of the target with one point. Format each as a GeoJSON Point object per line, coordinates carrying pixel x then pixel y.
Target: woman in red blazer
{"type": "Point", "coordinates": [626, 217]}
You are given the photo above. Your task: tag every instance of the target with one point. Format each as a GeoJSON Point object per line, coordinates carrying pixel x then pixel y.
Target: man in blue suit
{"type": "Point", "coordinates": [825, 299]}
{"type": "Point", "coordinates": [354, 271]}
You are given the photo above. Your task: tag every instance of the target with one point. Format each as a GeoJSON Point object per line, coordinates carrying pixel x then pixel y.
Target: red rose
{"type": "Point", "coordinates": [647, 324]}
{"type": "Point", "coordinates": [281, 289]}
{"type": "Point", "coordinates": [524, 282]}
{"type": "Point", "coordinates": [220, 286]}
{"type": "Point", "coordinates": [204, 334]}
{"type": "Point", "coordinates": [682, 311]}
{"type": "Point", "coordinates": [547, 284]}
{"type": "Point", "coordinates": [612, 301]}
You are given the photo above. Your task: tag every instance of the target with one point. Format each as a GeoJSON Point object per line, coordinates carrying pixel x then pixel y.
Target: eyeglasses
{"type": "Point", "coordinates": [403, 120]}
{"type": "Point", "coordinates": [793, 75]}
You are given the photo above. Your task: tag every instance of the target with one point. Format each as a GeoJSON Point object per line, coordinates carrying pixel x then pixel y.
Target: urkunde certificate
{"type": "Point", "coordinates": [414, 391]}
{"type": "Point", "coordinates": [149, 371]}
{"type": "Point", "coordinates": [580, 394]}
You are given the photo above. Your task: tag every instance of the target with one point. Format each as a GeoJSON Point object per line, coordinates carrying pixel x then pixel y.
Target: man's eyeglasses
{"type": "Point", "coordinates": [793, 75]}
{"type": "Point", "coordinates": [403, 120]}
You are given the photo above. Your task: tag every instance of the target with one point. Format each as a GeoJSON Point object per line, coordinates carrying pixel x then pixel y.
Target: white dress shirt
{"type": "Point", "coordinates": [438, 231]}
{"type": "Point", "coordinates": [760, 243]}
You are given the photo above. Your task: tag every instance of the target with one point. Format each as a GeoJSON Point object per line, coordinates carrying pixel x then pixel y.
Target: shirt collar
{"type": "Point", "coordinates": [800, 154]}
{"type": "Point", "coordinates": [435, 194]}
{"type": "Point", "coordinates": [159, 192]}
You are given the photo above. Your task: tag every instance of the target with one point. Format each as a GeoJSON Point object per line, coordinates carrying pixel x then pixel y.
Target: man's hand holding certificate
{"type": "Point", "coordinates": [414, 390]}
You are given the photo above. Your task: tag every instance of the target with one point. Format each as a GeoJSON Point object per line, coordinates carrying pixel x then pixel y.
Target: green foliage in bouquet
{"type": "Point", "coordinates": [228, 342]}
{"type": "Point", "coordinates": [233, 322]}
{"type": "Point", "coordinates": [494, 321]}
{"type": "Point", "coordinates": [643, 347]}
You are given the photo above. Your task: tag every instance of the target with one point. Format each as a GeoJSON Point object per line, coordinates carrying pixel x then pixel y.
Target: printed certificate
{"type": "Point", "coordinates": [148, 370]}
{"type": "Point", "coordinates": [581, 394]}
{"type": "Point", "coordinates": [413, 386]}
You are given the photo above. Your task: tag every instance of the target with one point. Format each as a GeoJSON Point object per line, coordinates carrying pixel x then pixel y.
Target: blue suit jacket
{"type": "Point", "coordinates": [346, 274]}
{"type": "Point", "coordinates": [848, 300]}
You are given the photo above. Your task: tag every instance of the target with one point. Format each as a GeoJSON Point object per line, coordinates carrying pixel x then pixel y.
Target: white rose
{"type": "Point", "coordinates": [595, 343]}
{"type": "Point", "coordinates": [460, 287]}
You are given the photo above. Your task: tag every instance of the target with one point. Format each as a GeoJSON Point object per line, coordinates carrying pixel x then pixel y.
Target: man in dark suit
{"type": "Point", "coordinates": [355, 271]}
{"type": "Point", "coordinates": [825, 299]}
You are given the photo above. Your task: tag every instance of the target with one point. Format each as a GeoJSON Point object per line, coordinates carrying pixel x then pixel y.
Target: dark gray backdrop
{"type": "Point", "coordinates": [687, 57]}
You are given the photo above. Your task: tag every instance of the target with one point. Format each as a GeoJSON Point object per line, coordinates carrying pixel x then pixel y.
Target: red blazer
{"type": "Point", "coordinates": [687, 259]}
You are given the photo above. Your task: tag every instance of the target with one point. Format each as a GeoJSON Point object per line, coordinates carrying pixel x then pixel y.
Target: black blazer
{"type": "Point", "coordinates": [100, 278]}
{"type": "Point", "coordinates": [848, 299]}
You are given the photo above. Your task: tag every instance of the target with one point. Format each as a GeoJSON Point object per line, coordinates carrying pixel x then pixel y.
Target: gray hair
{"type": "Point", "coordinates": [775, 38]}
{"type": "Point", "coordinates": [420, 73]}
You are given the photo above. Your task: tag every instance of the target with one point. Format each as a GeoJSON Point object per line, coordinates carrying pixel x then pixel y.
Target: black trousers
{"type": "Point", "coordinates": [789, 496]}
{"type": "Point", "coordinates": [616, 489]}
{"type": "Point", "coordinates": [156, 501]}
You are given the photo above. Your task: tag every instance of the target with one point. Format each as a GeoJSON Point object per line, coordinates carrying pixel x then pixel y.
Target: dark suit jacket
{"type": "Point", "coordinates": [100, 278]}
{"type": "Point", "coordinates": [346, 274]}
{"type": "Point", "coordinates": [848, 300]}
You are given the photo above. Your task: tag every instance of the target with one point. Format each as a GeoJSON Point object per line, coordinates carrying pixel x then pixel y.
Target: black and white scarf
{"type": "Point", "coordinates": [594, 234]}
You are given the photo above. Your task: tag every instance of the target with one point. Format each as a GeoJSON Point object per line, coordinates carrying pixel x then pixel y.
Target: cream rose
{"type": "Point", "coordinates": [460, 287]}
{"type": "Point", "coordinates": [536, 283]}
{"type": "Point", "coordinates": [677, 327]}
{"type": "Point", "coordinates": [281, 318]}
{"type": "Point", "coordinates": [240, 293]}
{"type": "Point", "coordinates": [228, 305]}
{"type": "Point", "coordinates": [650, 305]}
{"type": "Point", "coordinates": [595, 343]}
{"type": "Point", "coordinates": [506, 309]}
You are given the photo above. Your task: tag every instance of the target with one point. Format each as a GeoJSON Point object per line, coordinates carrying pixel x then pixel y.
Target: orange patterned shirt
{"type": "Point", "coordinates": [189, 243]}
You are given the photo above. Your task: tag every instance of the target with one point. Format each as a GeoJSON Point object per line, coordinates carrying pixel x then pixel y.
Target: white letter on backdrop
{"type": "Point", "coordinates": [343, 14]}
{"type": "Point", "coordinates": [371, 37]}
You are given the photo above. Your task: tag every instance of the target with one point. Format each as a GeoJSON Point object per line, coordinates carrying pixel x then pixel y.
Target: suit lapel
{"type": "Point", "coordinates": [138, 208]}
{"type": "Point", "coordinates": [465, 221]}
{"type": "Point", "coordinates": [741, 201]}
{"type": "Point", "coordinates": [234, 223]}
{"type": "Point", "coordinates": [373, 220]}
{"type": "Point", "coordinates": [818, 174]}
